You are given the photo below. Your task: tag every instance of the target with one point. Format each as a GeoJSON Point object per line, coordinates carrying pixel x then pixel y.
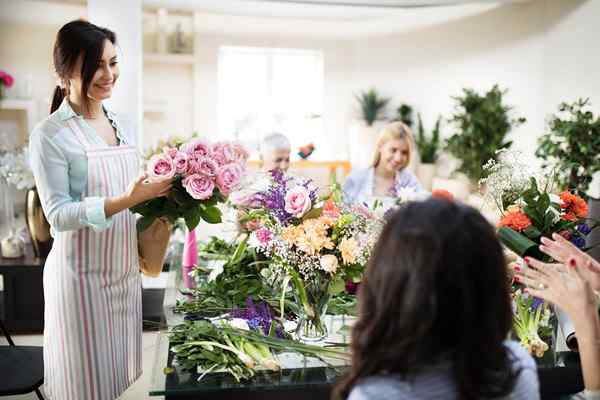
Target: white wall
{"type": "Point", "coordinates": [26, 46]}
{"type": "Point", "coordinates": [337, 68]}
{"type": "Point", "coordinates": [543, 52]}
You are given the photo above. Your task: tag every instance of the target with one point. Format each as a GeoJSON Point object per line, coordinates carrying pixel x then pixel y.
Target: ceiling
{"type": "Point", "coordinates": [311, 9]}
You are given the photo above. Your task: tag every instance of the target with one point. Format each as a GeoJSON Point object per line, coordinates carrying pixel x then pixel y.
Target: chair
{"type": "Point", "coordinates": [21, 368]}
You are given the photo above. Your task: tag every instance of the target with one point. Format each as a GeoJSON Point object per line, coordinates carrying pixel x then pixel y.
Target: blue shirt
{"type": "Point", "coordinates": [60, 169]}
{"type": "Point", "coordinates": [358, 187]}
{"type": "Point", "coordinates": [439, 382]}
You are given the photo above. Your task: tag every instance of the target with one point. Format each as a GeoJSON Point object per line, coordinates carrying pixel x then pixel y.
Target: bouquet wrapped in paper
{"type": "Point", "coordinates": [203, 174]}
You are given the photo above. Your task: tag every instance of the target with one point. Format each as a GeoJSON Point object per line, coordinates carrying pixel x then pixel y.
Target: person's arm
{"type": "Point", "coordinates": [51, 171]}
{"type": "Point", "coordinates": [568, 288]}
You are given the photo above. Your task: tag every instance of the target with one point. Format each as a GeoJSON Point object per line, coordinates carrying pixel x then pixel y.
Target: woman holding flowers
{"type": "Point", "coordinates": [435, 312]}
{"type": "Point", "coordinates": [387, 177]}
{"type": "Point", "coordinates": [85, 165]}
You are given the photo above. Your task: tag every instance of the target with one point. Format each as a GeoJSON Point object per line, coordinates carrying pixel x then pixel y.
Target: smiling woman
{"type": "Point", "coordinates": [85, 166]}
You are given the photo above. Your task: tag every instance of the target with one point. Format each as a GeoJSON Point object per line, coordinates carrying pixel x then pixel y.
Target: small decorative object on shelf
{"type": "Point", "coordinates": [5, 80]}
{"type": "Point", "coordinates": [15, 171]}
{"type": "Point", "coordinates": [305, 151]}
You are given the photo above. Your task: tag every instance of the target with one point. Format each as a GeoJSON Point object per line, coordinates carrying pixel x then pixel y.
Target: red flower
{"type": "Point", "coordinates": [565, 234]}
{"type": "Point", "coordinates": [442, 194]}
{"type": "Point", "coordinates": [6, 78]}
{"type": "Point", "coordinates": [573, 206]}
{"type": "Point", "coordinates": [516, 220]}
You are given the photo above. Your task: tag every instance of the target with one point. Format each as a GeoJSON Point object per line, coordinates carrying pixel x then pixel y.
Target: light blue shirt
{"type": "Point", "coordinates": [439, 382]}
{"type": "Point", "coordinates": [60, 169]}
{"type": "Point", "coordinates": [358, 187]}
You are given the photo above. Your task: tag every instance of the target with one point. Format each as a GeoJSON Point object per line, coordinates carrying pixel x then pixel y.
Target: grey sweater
{"type": "Point", "coordinates": [438, 383]}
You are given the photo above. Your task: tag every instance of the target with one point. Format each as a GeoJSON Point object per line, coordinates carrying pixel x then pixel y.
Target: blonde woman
{"type": "Point", "coordinates": [388, 174]}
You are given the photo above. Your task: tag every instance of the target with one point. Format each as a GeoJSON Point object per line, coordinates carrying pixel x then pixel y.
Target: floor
{"type": "Point", "coordinates": [138, 391]}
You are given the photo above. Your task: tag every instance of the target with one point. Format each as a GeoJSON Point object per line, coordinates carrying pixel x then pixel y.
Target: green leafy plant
{"type": "Point", "coordinates": [371, 105]}
{"type": "Point", "coordinates": [572, 146]}
{"type": "Point", "coordinates": [405, 114]}
{"type": "Point", "coordinates": [482, 123]}
{"type": "Point", "coordinates": [428, 147]}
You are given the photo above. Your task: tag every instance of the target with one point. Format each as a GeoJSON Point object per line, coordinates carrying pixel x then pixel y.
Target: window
{"type": "Point", "coordinates": [264, 90]}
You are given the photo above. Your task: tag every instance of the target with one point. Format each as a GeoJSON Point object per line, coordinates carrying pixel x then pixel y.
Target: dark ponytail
{"type": "Point", "coordinates": [57, 99]}
{"type": "Point", "coordinates": [74, 39]}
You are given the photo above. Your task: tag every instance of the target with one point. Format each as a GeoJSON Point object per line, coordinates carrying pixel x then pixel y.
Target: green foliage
{"type": "Point", "coordinates": [428, 147]}
{"type": "Point", "coordinates": [405, 114]}
{"type": "Point", "coordinates": [371, 105]}
{"type": "Point", "coordinates": [240, 279]}
{"type": "Point", "coordinates": [572, 147]}
{"type": "Point", "coordinates": [179, 204]}
{"type": "Point", "coordinates": [483, 124]}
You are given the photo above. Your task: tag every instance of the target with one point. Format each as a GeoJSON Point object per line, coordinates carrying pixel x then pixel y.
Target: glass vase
{"type": "Point", "coordinates": [312, 298]}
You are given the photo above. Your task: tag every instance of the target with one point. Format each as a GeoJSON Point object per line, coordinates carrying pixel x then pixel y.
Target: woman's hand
{"type": "Point", "coordinates": [142, 190]}
{"type": "Point", "coordinates": [138, 191]}
{"type": "Point", "coordinates": [565, 286]}
{"type": "Point", "coordinates": [562, 250]}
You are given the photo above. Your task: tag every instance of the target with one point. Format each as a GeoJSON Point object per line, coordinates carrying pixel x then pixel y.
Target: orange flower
{"type": "Point", "coordinates": [331, 210]}
{"type": "Point", "coordinates": [515, 220]}
{"type": "Point", "coordinates": [573, 205]}
{"type": "Point", "coordinates": [442, 194]}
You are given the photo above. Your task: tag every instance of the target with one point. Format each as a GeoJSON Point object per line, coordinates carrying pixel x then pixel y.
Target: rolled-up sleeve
{"type": "Point", "coordinates": [50, 168]}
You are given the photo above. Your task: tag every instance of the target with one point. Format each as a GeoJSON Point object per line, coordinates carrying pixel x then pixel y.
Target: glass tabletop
{"type": "Point", "coordinates": [297, 372]}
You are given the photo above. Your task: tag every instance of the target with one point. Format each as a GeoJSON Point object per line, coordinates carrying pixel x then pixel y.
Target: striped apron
{"type": "Point", "coordinates": [93, 290]}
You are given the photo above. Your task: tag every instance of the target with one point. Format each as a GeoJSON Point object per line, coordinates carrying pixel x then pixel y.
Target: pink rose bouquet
{"type": "Point", "coordinates": [203, 175]}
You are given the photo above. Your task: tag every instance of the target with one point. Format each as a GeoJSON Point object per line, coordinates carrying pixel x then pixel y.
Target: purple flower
{"type": "Point", "coordinates": [273, 199]}
{"type": "Point", "coordinates": [578, 241]}
{"type": "Point", "coordinates": [352, 287]}
{"type": "Point", "coordinates": [258, 316]}
{"type": "Point", "coordinates": [536, 303]}
{"type": "Point", "coordinates": [584, 229]}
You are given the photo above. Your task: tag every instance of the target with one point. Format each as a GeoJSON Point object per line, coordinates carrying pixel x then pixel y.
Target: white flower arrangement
{"type": "Point", "coordinates": [15, 169]}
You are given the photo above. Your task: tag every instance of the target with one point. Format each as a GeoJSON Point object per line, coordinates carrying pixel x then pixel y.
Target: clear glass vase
{"type": "Point", "coordinates": [312, 299]}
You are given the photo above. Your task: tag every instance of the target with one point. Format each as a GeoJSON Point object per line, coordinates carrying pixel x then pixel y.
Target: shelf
{"type": "Point", "coordinates": [169, 58]}
{"type": "Point", "coordinates": [15, 104]}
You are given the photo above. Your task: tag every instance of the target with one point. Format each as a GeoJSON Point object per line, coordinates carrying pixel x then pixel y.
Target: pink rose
{"type": "Point", "coordinates": [240, 154]}
{"type": "Point", "coordinates": [160, 168]}
{"type": "Point", "coordinates": [297, 201]}
{"type": "Point", "coordinates": [200, 187]}
{"type": "Point", "coordinates": [8, 79]}
{"type": "Point", "coordinates": [170, 151]}
{"type": "Point", "coordinates": [203, 165]}
{"type": "Point", "coordinates": [229, 177]}
{"type": "Point", "coordinates": [180, 159]}
{"type": "Point", "coordinates": [264, 236]}
{"type": "Point", "coordinates": [198, 148]}
{"type": "Point", "coordinates": [222, 153]}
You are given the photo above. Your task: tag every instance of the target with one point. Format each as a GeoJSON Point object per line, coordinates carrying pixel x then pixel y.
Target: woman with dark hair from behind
{"type": "Point", "coordinates": [85, 165]}
{"type": "Point", "coordinates": [435, 313]}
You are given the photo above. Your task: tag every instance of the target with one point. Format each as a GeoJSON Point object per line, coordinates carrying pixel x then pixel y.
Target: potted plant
{"type": "Point", "coordinates": [5, 80]}
{"type": "Point", "coordinates": [363, 133]}
{"type": "Point", "coordinates": [482, 125]}
{"type": "Point", "coordinates": [428, 151]}
{"type": "Point", "coordinates": [572, 149]}
{"type": "Point", "coordinates": [404, 114]}
{"type": "Point", "coordinates": [572, 146]}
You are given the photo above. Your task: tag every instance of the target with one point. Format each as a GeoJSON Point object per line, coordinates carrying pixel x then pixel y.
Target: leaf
{"type": "Point", "coordinates": [192, 219]}
{"type": "Point", "coordinates": [211, 214]}
{"type": "Point", "coordinates": [337, 286]}
{"type": "Point", "coordinates": [518, 243]}
{"type": "Point", "coordinates": [144, 223]}
{"type": "Point", "coordinates": [314, 213]}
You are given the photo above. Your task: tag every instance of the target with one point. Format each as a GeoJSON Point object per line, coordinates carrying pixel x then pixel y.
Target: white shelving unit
{"type": "Point", "coordinates": [169, 58]}
{"type": "Point", "coordinates": [26, 106]}
{"type": "Point", "coordinates": [169, 102]}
